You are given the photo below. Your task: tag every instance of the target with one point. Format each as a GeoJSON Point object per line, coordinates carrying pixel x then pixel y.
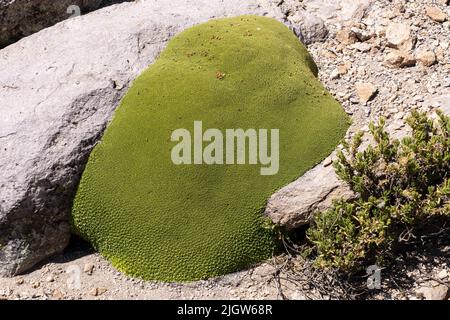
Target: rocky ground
{"type": "Point", "coordinates": [82, 274]}
{"type": "Point", "coordinates": [378, 60]}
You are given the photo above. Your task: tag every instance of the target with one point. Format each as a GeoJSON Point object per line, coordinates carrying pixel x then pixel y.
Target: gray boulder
{"type": "Point", "coordinates": [58, 90]}
{"type": "Point", "coordinates": [21, 18]}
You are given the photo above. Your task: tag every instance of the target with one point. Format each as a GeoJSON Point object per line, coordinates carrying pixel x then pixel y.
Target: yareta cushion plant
{"type": "Point", "coordinates": [156, 219]}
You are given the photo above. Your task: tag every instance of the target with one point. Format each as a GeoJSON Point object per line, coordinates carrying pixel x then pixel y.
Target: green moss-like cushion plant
{"type": "Point", "coordinates": [158, 220]}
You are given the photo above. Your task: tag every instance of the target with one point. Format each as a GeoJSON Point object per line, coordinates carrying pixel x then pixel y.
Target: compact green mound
{"type": "Point", "coordinates": [157, 220]}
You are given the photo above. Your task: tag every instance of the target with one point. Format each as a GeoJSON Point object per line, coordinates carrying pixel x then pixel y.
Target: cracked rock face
{"type": "Point", "coordinates": [21, 18]}
{"type": "Point", "coordinates": [58, 90]}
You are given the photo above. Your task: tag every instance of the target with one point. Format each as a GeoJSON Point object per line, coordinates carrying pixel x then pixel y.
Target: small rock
{"type": "Point", "coordinates": [353, 100]}
{"type": "Point", "coordinates": [88, 268]}
{"type": "Point", "coordinates": [361, 46]}
{"type": "Point", "coordinates": [328, 54]}
{"type": "Point", "coordinates": [442, 274]}
{"type": "Point", "coordinates": [35, 284]}
{"type": "Point", "coordinates": [366, 91]}
{"type": "Point", "coordinates": [426, 58]}
{"type": "Point", "coordinates": [436, 14]}
{"type": "Point", "coordinates": [334, 74]}
{"type": "Point", "coordinates": [20, 281]}
{"type": "Point", "coordinates": [362, 35]}
{"type": "Point", "coordinates": [57, 294]}
{"type": "Point", "coordinates": [346, 36]}
{"type": "Point", "coordinates": [399, 59]}
{"type": "Point", "coordinates": [327, 162]}
{"type": "Point", "coordinates": [97, 291]}
{"type": "Point", "coordinates": [398, 36]}
{"type": "Point", "coordinates": [93, 292]}
{"type": "Point", "coordinates": [50, 278]}
{"type": "Point", "coordinates": [343, 68]}
{"type": "Point", "coordinates": [5, 292]}
{"type": "Point", "coordinates": [438, 292]}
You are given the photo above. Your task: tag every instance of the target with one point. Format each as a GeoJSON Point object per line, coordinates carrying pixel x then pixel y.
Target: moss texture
{"type": "Point", "coordinates": [156, 220]}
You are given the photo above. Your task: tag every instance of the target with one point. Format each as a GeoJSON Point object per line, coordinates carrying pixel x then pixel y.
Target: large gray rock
{"type": "Point", "coordinates": [20, 18]}
{"type": "Point", "coordinates": [295, 205]}
{"type": "Point", "coordinates": [58, 90]}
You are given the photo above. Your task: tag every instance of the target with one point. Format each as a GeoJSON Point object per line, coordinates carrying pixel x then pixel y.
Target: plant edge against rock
{"type": "Point", "coordinates": [158, 221]}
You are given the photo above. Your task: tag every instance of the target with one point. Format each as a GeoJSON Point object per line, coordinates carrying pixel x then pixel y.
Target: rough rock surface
{"type": "Point", "coordinates": [59, 88]}
{"type": "Point", "coordinates": [441, 101]}
{"type": "Point", "coordinates": [20, 18]}
{"type": "Point", "coordinates": [294, 205]}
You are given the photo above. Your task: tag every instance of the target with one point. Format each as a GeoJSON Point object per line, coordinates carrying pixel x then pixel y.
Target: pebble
{"type": "Point", "coordinates": [97, 291]}
{"type": "Point", "coordinates": [399, 59]}
{"type": "Point", "coordinates": [442, 274]}
{"type": "Point", "coordinates": [346, 36]}
{"type": "Point", "coordinates": [50, 278]}
{"type": "Point", "coordinates": [366, 91]}
{"type": "Point", "coordinates": [88, 268]}
{"type": "Point", "coordinates": [399, 36]}
{"type": "Point", "coordinates": [426, 58]}
{"type": "Point", "coordinates": [57, 294]}
{"type": "Point", "coordinates": [361, 46]}
{"type": "Point", "coordinates": [436, 14]}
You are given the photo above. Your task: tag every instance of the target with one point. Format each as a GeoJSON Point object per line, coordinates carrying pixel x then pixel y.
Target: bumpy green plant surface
{"type": "Point", "coordinates": [402, 186]}
{"type": "Point", "coordinates": [156, 220]}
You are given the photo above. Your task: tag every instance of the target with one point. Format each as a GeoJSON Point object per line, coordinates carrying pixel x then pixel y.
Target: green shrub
{"type": "Point", "coordinates": [401, 185]}
{"type": "Point", "coordinates": [157, 220]}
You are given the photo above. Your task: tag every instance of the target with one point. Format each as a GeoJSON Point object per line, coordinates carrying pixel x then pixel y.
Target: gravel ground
{"type": "Point", "coordinates": [82, 274]}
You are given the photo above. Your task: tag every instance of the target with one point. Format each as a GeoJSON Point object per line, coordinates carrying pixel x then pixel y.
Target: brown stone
{"type": "Point", "coordinates": [399, 59]}
{"type": "Point", "coordinates": [426, 58]}
{"type": "Point", "coordinates": [436, 14]}
{"type": "Point", "coordinates": [346, 36]}
{"type": "Point", "coordinates": [366, 91]}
